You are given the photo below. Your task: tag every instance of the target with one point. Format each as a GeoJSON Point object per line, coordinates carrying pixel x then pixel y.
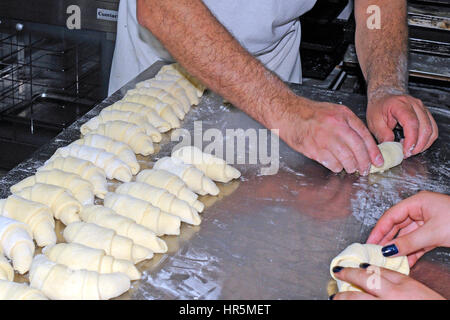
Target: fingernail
{"type": "Point", "coordinates": [337, 269]}
{"type": "Point", "coordinates": [364, 265]}
{"type": "Point", "coordinates": [379, 161]}
{"type": "Point", "coordinates": [331, 297]}
{"type": "Point", "coordinates": [389, 250]}
{"type": "Point", "coordinates": [409, 152]}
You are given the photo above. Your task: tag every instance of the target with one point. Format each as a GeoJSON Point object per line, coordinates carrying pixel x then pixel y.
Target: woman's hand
{"type": "Point", "coordinates": [422, 223]}
{"type": "Point", "coordinates": [382, 284]}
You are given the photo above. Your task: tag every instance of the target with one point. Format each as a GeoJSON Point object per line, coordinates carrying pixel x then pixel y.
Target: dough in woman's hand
{"type": "Point", "coordinates": [357, 253]}
{"type": "Point", "coordinates": [392, 154]}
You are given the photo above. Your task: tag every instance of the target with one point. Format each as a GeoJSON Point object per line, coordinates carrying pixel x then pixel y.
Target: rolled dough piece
{"type": "Point", "coordinates": [37, 216]}
{"type": "Point", "coordinates": [164, 110]}
{"type": "Point", "coordinates": [77, 256]}
{"type": "Point", "coordinates": [59, 282]}
{"type": "Point", "coordinates": [85, 169]}
{"type": "Point", "coordinates": [108, 218]}
{"type": "Point", "coordinates": [165, 180]}
{"type": "Point", "coordinates": [6, 270]}
{"type": "Point", "coordinates": [19, 291]}
{"type": "Point", "coordinates": [120, 149]}
{"type": "Point", "coordinates": [16, 243]}
{"type": "Point", "coordinates": [392, 154]}
{"type": "Point", "coordinates": [63, 204]}
{"type": "Point", "coordinates": [113, 167]}
{"type": "Point", "coordinates": [127, 116]}
{"type": "Point", "coordinates": [81, 189]}
{"type": "Point", "coordinates": [128, 133]}
{"type": "Point", "coordinates": [177, 69]}
{"type": "Point", "coordinates": [152, 117]}
{"type": "Point", "coordinates": [143, 213]}
{"type": "Point", "coordinates": [172, 87]}
{"type": "Point", "coordinates": [195, 179]}
{"type": "Point", "coordinates": [162, 199]}
{"type": "Point", "coordinates": [213, 167]}
{"type": "Point", "coordinates": [98, 237]}
{"type": "Point", "coordinates": [357, 253]}
{"type": "Point", "coordinates": [189, 89]}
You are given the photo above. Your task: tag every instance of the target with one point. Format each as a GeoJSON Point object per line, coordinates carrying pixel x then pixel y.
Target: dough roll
{"type": "Point", "coordinates": [113, 167]}
{"type": "Point", "coordinates": [164, 96]}
{"type": "Point", "coordinates": [166, 180]}
{"type": "Point", "coordinates": [392, 154]}
{"type": "Point", "coordinates": [85, 169]}
{"type": "Point", "coordinates": [194, 178]}
{"type": "Point", "coordinates": [94, 236]}
{"type": "Point", "coordinates": [77, 256]}
{"type": "Point", "coordinates": [19, 291]}
{"type": "Point", "coordinates": [16, 243]}
{"type": "Point", "coordinates": [172, 87]}
{"type": "Point", "coordinates": [128, 133]}
{"type": "Point", "coordinates": [37, 216]}
{"type": "Point", "coordinates": [213, 167]}
{"type": "Point", "coordinates": [6, 270]}
{"type": "Point", "coordinates": [108, 218]}
{"type": "Point", "coordinates": [59, 282]}
{"type": "Point", "coordinates": [154, 118]}
{"type": "Point", "coordinates": [177, 69]}
{"type": "Point", "coordinates": [162, 199]}
{"type": "Point", "coordinates": [189, 89]}
{"type": "Point", "coordinates": [64, 206]}
{"type": "Point", "coordinates": [143, 213]}
{"type": "Point", "coordinates": [81, 189]}
{"type": "Point", "coordinates": [164, 110]}
{"type": "Point", "coordinates": [127, 116]}
{"type": "Point", "coordinates": [119, 149]}
{"type": "Point", "coordinates": [357, 253]}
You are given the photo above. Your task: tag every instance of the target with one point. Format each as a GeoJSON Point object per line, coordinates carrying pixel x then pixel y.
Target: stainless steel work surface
{"type": "Point", "coordinates": [273, 236]}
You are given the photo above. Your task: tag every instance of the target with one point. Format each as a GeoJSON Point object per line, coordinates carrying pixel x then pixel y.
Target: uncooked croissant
{"type": "Point", "coordinates": [357, 253]}
{"type": "Point", "coordinates": [6, 270]}
{"type": "Point", "coordinates": [16, 243]}
{"type": "Point", "coordinates": [128, 133]}
{"type": "Point", "coordinates": [37, 216]}
{"type": "Point", "coordinates": [172, 87]}
{"type": "Point", "coordinates": [77, 256]}
{"type": "Point", "coordinates": [19, 291]}
{"type": "Point", "coordinates": [85, 169]}
{"type": "Point", "coordinates": [164, 110]}
{"type": "Point", "coordinates": [152, 117]}
{"type": "Point", "coordinates": [392, 154]}
{"type": "Point", "coordinates": [189, 89]}
{"type": "Point", "coordinates": [162, 199]}
{"type": "Point", "coordinates": [120, 149]}
{"type": "Point", "coordinates": [127, 116]}
{"type": "Point", "coordinates": [98, 237]}
{"type": "Point", "coordinates": [194, 178]}
{"type": "Point", "coordinates": [177, 69]}
{"type": "Point", "coordinates": [109, 162]}
{"type": "Point", "coordinates": [64, 206]}
{"type": "Point", "coordinates": [81, 189]}
{"type": "Point", "coordinates": [59, 282]}
{"type": "Point", "coordinates": [165, 97]}
{"type": "Point", "coordinates": [213, 167]}
{"type": "Point", "coordinates": [108, 218]}
{"type": "Point", "coordinates": [166, 180]}
{"type": "Point", "coordinates": [143, 213]}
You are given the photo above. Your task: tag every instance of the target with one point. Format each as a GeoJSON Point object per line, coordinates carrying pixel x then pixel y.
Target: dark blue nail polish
{"type": "Point", "coordinates": [331, 297]}
{"type": "Point", "coordinates": [364, 265]}
{"type": "Point", "coordinates": [389, 250]}
{"type": "Point", "coordinates": [337, 269]}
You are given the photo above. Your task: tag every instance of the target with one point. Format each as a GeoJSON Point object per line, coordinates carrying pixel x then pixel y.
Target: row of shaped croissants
{"type": "Point", "coordinates": [103, 243]}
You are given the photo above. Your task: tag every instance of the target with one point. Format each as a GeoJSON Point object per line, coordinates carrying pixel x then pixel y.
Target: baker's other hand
{"type": "Point", "coordinates": [422, 223]}
{"type": "Point", "coordinates": [419, 126]}
{"type": "Point", "coordinates": [382, 284]}
{"type": "Point", "coordinates": [330, 134]}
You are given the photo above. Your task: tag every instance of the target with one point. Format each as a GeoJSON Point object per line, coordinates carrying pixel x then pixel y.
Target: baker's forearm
{"type": "Point", "coordinates": [195, 38]}
{"type": "Point", "coordinates": [383, 53]}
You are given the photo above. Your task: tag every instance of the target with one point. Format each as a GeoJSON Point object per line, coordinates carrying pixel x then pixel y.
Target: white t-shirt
{"type": "Point", "coordinates": [269, 29]}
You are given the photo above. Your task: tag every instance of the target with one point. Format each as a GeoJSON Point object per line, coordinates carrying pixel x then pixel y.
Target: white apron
{"type": "Point", "coordinates": [268, 29]}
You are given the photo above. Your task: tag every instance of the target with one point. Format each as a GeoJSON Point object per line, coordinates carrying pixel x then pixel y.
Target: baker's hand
{"type": "Point", "coordinates": [382, 284]}
{"type": "Point", "coordinates": [422, 223]}
{"type": "Point", "coordinates": [330, 134]}
{"type": "Point", "coordinates": [419, 127]}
